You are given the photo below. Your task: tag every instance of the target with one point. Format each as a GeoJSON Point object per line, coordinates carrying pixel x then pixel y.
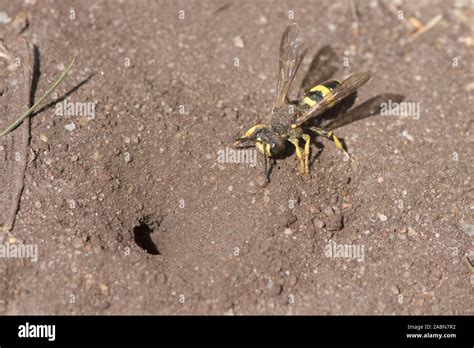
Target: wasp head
{"type": "Point", "coordinates": [266, 140]}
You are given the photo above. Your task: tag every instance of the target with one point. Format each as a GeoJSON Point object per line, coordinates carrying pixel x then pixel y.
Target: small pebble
{"type": "Point", "coordinates": [274, 289]}
{"type": "Point", "coordinates": [346, 206]}
{"type": "Point", "coordinates": [395, 289]}
{"type": "Point", "coordinates": [104, 289]}
{"type": "Point", "coordinates": [334, 223]}
{"type": "Point", "coordinates": [4, 18]}
{"type": "Point", "coordinates": [70, 126]}
{"type": "Point", "coordinates": [261, 180]}
{"type": "Point", "coordinates": [262, 20]}
{"type": "Point", "coordinates": [382, 217]}
{"type": "Point", "coordinates": [77, 243]}
{"type": "Point", "coordinates": [290, 219]}
{"type": "Point", "coordinates": [293, 280]}
{"type": "Point", "coordinates": [127, 157]}
{"type": "Point", "coordinates": [288, 231]}
{"type": "Point", "coordinates": [314, 209]}
{"type": "Point", "coordinates": [238, 42]}
{"type": "Point", "coordinates": [436, 274]}
{"type": "Point", "coordinates": [470, 87]}
{"type": "Point", "coordinates": [412, 234]}
{"type": "Point", "coordinates": [71, 203]}
{"type": "Point", "coordinates": [328, 211]}
{"type": "Point", "coordinates": [318, 224]}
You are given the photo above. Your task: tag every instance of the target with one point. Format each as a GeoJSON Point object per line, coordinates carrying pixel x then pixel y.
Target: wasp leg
{"type": "Point", "coordinates": [295, 142]}
{"type": "Point", "coordinates": [307, 143]}
{"type": "Point", "coordinates": [330, 135]}
{"type": "Point", "coordinates": [266, 172]}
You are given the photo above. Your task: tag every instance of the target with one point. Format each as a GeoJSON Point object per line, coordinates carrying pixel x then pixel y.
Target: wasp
{"type": "Point", "coordinates": [291, 122]}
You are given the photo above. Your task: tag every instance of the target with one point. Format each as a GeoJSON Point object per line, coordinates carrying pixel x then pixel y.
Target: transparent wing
{"type": "Point", "coordinates": [292, 51]}
{"type": "Point", "coordinates": [369, 108]}
{"type": "Point", "coordinates": [346, 88]}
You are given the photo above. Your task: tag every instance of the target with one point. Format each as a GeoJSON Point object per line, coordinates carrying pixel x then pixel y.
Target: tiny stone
{"type": "Point", "coordinates": [43, 138]}
{"type": "Point", "coordinates": [274, 289]}
{"type": "Point", "coordinates": [395, 289]}
{"type": "Point", "coordinates": [382, 217]}
{"type": "Point", "coordinates": [334, 223]}
{"type": "Point", "coordinates": [403, 230]}
{"type": "Point", "coordinates": [318, 224]}
{"type": "Point", "coordinates": [77, 243]}
{"type": "Point", "coordinates": [262, 20]}
{"type": "Point", "coordinates": [314, 209]}
{"type": "Point", "coordinates": [127, 157]}
{"type": "Point", "coordinates": [238, 42]}
{"type": "Point", "coordinates": [104, 289]}
{"type": "Point", "coordinates": [71, 203]}
{"type": "Point", "coordinates": [288, 231]}
{"type": "Point", "coordinates": [412, 234]}
{"type": "Point", "coordinates": [74, 158]}
{"type": "Point", "coordinates": [328, 211]}
{"type": "Point", "coordinates": [141, 127]}
{"type": "Point", "coordinates": [212, 178]}
{"type": "Point", "coordinates": [470, 87]}
{"type": "Point", "coordinates": [261, 180]}
{"type": "Point", "coordinates": [135, 139]}
{"type": "Point", "coordinates": [436, 274]}
{"type": "Point", "coordinates": [104, 305]}
{"type": "Point", "coordinates": [4, 18]}
{"type": "Point", "coordinates": [70, 126]}
{"type": "Point", "coordinates": [290, 219]}
{"type": "Point", "coordinates": [293, 280]}
{"type": "Point", "coordinates": [127, 140]}
{"type": "Point", "coordinates": [266, 199]}
{"type": "Point", "coordinates": [346, 206]}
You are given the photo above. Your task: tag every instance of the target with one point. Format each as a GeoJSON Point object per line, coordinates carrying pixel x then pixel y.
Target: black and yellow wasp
{"type": "Point", "coordinates": [289, 121]}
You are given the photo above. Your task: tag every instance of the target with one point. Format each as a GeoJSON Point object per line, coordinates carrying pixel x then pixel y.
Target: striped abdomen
{"type": "Point", "coordinates": [318, 93]}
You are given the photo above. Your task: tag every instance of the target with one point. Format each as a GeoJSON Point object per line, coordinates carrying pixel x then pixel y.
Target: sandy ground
{"type": "Point", "coordinates": [132, 212]}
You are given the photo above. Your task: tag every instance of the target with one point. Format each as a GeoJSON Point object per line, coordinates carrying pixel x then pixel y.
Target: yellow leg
{"type": "Point", "coordinates": [298, 154]}
{"type": "Point", "coordinates": [307, 143]}
{"type": "Point", "coordinates": [330, 135]}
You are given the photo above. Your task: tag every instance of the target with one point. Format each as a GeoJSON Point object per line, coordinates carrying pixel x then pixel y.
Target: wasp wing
{"type": "Point", "coordinates": [322, 68]}
{"type": "Point", "coordinates": [369, 108]}
{"type": "Point", "coordinates": [343, 90]}
{"type": "Point", "coordinates": [292, 51]}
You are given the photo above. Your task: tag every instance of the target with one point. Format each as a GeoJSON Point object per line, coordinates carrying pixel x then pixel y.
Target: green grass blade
{"type": "Point", "coordinates": [40, 100]}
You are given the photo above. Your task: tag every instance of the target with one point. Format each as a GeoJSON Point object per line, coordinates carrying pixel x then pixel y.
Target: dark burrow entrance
{"type": "Point", "coordinates": [142, 236]}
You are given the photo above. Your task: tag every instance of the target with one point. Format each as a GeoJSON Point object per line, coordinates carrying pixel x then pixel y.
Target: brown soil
{"type": "Point", "coordinates": [169, 97]}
